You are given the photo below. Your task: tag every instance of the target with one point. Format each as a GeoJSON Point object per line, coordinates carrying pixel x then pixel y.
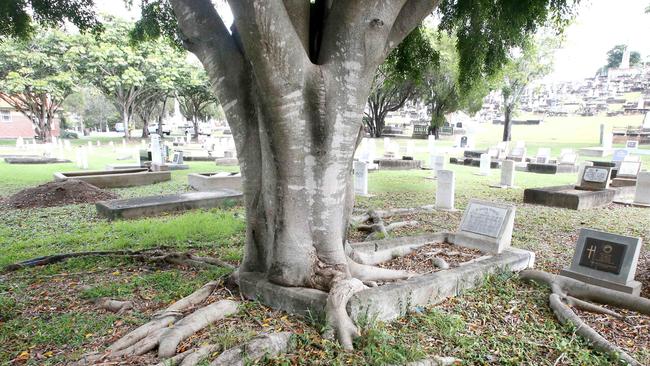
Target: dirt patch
{"type": "Point", "coordinates": [421, 260]}
{"type": "Point", "coordinates": [51, 194]}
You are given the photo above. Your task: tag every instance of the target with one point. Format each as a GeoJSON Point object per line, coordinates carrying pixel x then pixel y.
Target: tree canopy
{"type": "Point", "coordinates": [615, 56]}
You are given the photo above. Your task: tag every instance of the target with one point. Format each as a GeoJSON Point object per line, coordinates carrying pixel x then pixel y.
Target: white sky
{"type": "Point", "coordinates": [599, 25]}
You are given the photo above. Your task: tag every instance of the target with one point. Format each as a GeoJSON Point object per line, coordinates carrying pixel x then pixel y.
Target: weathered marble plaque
{"type": "Point", "coordinates": [483, 219]}
{"type": "Point", "coordinates": [628, 169]}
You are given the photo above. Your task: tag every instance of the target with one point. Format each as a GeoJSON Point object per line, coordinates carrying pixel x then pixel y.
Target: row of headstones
{"type": "Point", "coordinates": [597, 178]}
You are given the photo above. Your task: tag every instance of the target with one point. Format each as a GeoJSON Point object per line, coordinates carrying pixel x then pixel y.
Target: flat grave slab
{"type": "Point", "coordinates": [391, 300]}
{"type": "Point", "coordinates": [155, 205]}
{"type": "Point", "coordinates": [116, 178]}
{"type": "Point", "coordinates": [606, 260]}
{"type": "Point", "coordinates": [397, 164]}
{"type": "Point", "coordinates": [215, 181]}
{"type": "Point", "coordinates": [34, 160]}
{"type": "Point", "coordinates": [599, 152]}
{"type": "Point", "coordinates": [568, 197]}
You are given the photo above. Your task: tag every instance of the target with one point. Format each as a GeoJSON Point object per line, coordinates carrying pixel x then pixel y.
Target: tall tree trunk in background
{"type": "Point", "coordinates": [295, 122]}
{"type": "Point", "coordinates": [195, 123]}
{"type": "Point", "coordinates": [507, 123]}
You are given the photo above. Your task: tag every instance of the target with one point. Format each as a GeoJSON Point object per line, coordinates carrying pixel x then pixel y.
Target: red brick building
{"type": "Point", "coordinates": [14, 124]}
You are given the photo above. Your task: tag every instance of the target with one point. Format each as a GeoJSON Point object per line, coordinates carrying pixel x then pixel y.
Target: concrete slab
{"type": "Point", "coordinates": [595, 151]}
{"type": "Point", "coordinates": [155, 205]}
{"type": "Point", "coordinates": [34, 160]}
{"type": "Point", "coordinates": [214, 181]}
{"type": "Point", "coordinates": [396, 164]}
{"type": "Point", "coordinates": [116, 178]}
{"type": "Point", "coordinates": [392, 300]}
{"type": "Point", "coordinates": [568, 197]}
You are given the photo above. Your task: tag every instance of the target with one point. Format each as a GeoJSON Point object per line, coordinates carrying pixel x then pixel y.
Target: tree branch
{"type": "Point", "coordinates": [412, 14]}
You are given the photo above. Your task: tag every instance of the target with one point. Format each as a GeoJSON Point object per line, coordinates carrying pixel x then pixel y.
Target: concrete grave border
{"type": "Point", "coordinates": [116, 178]}
{"type": "Point", "coordinates": [208, 182]}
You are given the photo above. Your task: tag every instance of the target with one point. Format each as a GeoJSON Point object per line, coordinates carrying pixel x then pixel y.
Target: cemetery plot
{"type": "Point", "coordinates": [434, 257]}
{"type": "Point", "coordinates": [116, 178]}
{"type": "Point", "coordinates": [58, 194]}
{"type": "Point", "coordinates": [215, 181]}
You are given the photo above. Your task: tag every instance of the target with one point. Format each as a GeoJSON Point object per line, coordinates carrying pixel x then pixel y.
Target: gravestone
{"type": "Point", "coordinates": [487, 225]}
{"type": "Point", "coordinates": [437, 163]}
{"type": "Point", "coordinates": [484, 167]}
{"type": "Point", "coordinates": [595, 178]}
{"type": "Point", "coordinates": [83, 158]}
{"type": "Point", "coordinates": [517, 154]}
{"type": "Point", "coordinates": [543, 155]}
{"type": "Point", "coordinates": [642, 193]}
{"type": "Point", "coordinates": [156, 152]}
{"type": "Point", "coordinates": [568, 158]}
{"type": "Point", "coordinates": [99, 143]}
{"type": "Point", "coordinates": [581, 170]}
{"type": "Point", "coordinates": [410, 148]}
{"type": "Point", "coordinates": [507, 174]}
{"type": "Point", "coordinates": [607, 140]}
{"type": "Point", "coordinates": [620, 155]}
{"type": "Point", "coordinates": [178, 157]}
{"type": "Point", "coordinates": [445, 192]}
{"type": "Point", "coordinates": [463, 142]}
{"type": "Point", "coordinates": [431, 144]}
{"type": "Point", "coordinates": [628, 169]}
{"type": "Point", "coordinates": [360, 178]}
{"type": "Point", "coordinates": [607, 260]}
{"type": "Point", "coordinates": [20, 143]}
{"type": "Point", "coordinates": [631, 144]}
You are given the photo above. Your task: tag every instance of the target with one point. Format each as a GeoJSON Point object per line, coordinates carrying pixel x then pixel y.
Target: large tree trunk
{"type": "Point", "coordinates": [195, 123]}
{"type": "Point", "coordinates": [296, 126]}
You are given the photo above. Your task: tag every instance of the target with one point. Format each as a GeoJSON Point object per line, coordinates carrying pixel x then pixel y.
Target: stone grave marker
{"type": "Point", "coordinates": [642, 193]}
{"type": "Point", "coordinates": [410, 148]}
{"type": "Point", "coordinates": [485, 162]}
{"type": "Point", "coordinates": [517, 153]}
{"type": "Point", "coordinates": [431, 144]}
{"type": "Point", "coordinates": [569, 158]}
{"type": "Point", "coordinates": [20, 143]}
{"type": "Point", "coordinates": [488, 225]}
{"type": "Point", "coordinates": [507, 175]}
{"type": "Point", "coordinates": [178, 157]}
{"type": "Point", "coordinates": [628, 169]}
{"type": "Point", "coordinates": [631, 144]}
{"type": "Point", "coordinates": [99, 143]}
{"type": "Point", "coordinates": [438, 163]}
{"type": "Point", "coordinates": [156, 152]}
{"type": "Point", "coordinates": [84, 158]}
{"type": "Point", "coordinates": [620, 155]}
{"type": "Point", "coordinates": [493, 152]}
{"type": "Point", "coordinates": [606, 260]}
{"type": "Point", "coordinates": [123, 143]}
{"type": "Point", "coordinates": [607, 140]}
{"type": "Point", "coordinates": [543, 155]}
{"type": "Point", "coordinates": [360, 178]}
{"type": "Point", "coordinates": [595, 178]}
{"type": "Point", "coordinates": [445, 192]}
{"type": "Point", "coordinates": [581, 170]}
{"type": "Point", "coordinates": [463, 142]}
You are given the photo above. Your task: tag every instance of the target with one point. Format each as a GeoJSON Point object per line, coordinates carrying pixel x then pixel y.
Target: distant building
{"type": "Point", "coordinates": [14, 124]}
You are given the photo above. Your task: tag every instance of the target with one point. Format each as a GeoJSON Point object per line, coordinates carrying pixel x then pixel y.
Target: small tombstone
{"type": "Point", "coordinates": [620, 154]}
{"type": "Point", "coordinates": [123, 143]}
{"type": "Point", "coordinates": [607, 140]}
{"type": "Point", "coordinates": [631, 144]}
{"type": "Point", "coordinates": [520, 144]}
{"type": "Point", "coordinates": [445, 192]}
{"type": "Point", "coordinates": [431, 144]}
{"type": "Point", "coordinates": [485, 162]}
{"type": "Point", "coordinates": [628, 169]}
{"type": "Point", "coordinates": [518, 153]}
{"type": "Point", "coordinates": [438, 163]}
{"type": "Point", "coordinates": [606, 260]}
{"type": "Point", "coordinates": [487, 225]}
{"type": "Point", "coordinates": [360, 178]}
{"type": "Point", "coordinates": [507, 174]}
{"type": "Point", "coordinates": [111, 145]}
{"type": "Point", "coordinates": [463, 142]}
{"type": "Point", "coordinates": [99, 143]}
{"type": "Point", "coordinates": [156, 152]}
{"type": "Point", "coordinates": [642, 193]}
{"type": "Point", "coordinates": [493, 152]}
{"type": "Point", "coordinates": [595, 178]}
{"type": "Point", "coordinates": [635, 158]}
{"type": "Point", "coordinates": [136, 157]}
{"type": "Point", "coordinates": [569, 158]}
{"type": "Point", "coordinates": [543, 155]}
{"type": "Point", "coordinates": [84, 158]}
{"type": "Point", "coordinates": [410, 148]}
{"type": "Point", "coordinates": [581, 170]}
{"type": "Point", "coordinates": [178, 157]}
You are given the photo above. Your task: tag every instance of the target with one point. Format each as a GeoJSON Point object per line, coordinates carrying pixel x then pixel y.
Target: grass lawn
{"type": "Point", "coordinates": [47, 316]}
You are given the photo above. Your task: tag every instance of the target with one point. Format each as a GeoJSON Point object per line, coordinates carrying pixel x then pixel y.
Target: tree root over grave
{"type": "Point", "coordinates": [156, 255]}
{"type": "Point", "coordinates": [567, 292]}
{"type": "Point", "coordinates": [377, 228]}
{"type": "Point", "coordinates": [266, 344]}
{"type": "Point", "coordinates": [391, 212]}
{"type": "Point", "coordinates": [165, 330]}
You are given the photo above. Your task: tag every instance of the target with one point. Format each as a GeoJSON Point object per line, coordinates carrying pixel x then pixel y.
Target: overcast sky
{"type": "Point", "coordinates": [600, 25]}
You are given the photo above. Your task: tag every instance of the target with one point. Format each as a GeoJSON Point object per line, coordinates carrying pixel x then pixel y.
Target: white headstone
{"type": "Point", "coordinates": [410, 148]}
{"type": "Point", "coordinates": [520, 144]}
{"type": "Point", "coordinates": [607, 140]}
{"type": "Point", "coordinates": [581, 170]}
{"type": "Point", "coordinates": [360, 178]}
{"type": "Point", "coordinates": [437, 162]}
{"type": "Point", "coordinates": [628, 169]}
{"type": "Point", "coordinates": [84, 158]}
{"type": "Point", "coordinates": [484, 168]}
{"type": "Point", "coordinates": [508, 173]}
{"type": "Point", "coordinates": [631, 144]}
{"type": "Point", "coordinates": [620, 154]}
{"type": "Point", "coordinates": [123, 143]}
{"type": "Point", "coordinates": [431, 144]}
{"type": "Point", "coordinates": [640, 104]}
{"type": "Point", "coordinates": [136, 156]}
{"type": "Point", "coordinates": [445, 192]}
{"type": "Point", "coordinates": [156, 152]}
{"type": "Point", "coordinates": [99, 143]}
{"type": "Point", "coordinates": [642, 194]}
{"type": "Point", "coordinates": [543, 155]}
{"type": "Point", "coordinates": [487, 226]}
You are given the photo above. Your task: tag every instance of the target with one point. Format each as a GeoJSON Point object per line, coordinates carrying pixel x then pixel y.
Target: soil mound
{"type": "Point", "coordinates": [58, 194]}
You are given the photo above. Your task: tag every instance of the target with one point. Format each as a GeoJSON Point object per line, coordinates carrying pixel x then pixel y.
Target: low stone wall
{"type": "Point", "coordinates": [210, 182]}
{"type": "Point", "coordinates": [116, 178]}
{"type": "Point", "coordinates": [568, 197]}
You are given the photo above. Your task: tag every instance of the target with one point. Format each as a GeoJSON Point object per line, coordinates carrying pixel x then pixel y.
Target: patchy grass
{"type": "Point", "coordinates": [47, 316]}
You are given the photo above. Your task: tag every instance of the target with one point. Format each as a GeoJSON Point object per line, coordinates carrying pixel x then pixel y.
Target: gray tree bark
{"type": "Point", "coordinates": [293, 94]}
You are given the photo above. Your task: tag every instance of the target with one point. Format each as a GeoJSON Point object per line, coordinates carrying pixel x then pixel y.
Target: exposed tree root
{"type": "Point", "coordinates": [157, 255]}
{"type": "Point", "coordinates": [392, 212]}
{"type": "Point", "coordinates": [567, 291]}
{"type": "Point", "coordinates": [435, 361]}
{"type": "Point", "coordinates": [440, 263]}
{"type": "Point", "coordinates": [115, 306]}
{"type": "Point", "coordinates": [156, 332]}
{"type": "Point", "coordinates": [336, 315]}
{"type": "Point", "coordinates": [267, 344]}
{"type": "Point", "coordinates": [365, 272]}
{"type": "Point", "coordinates": [381, 256]}
{"type": "Point", "coordinates": [192, 324]}
{"type": "Point", "coordinates": [378, 229]}
{"type": "Point", "coordinates": [200, 354]}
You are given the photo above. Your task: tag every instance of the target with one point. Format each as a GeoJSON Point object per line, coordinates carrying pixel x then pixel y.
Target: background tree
{"type": "Point", "coordinates": [195, 97]}
{"type": "Point", "coordinates": [293, 78]}
{"type": "Point", "coordinates": [129, 75]}
{"type": "Point", "coordinates": [533, 61]}
{"type": "Point", "coordinates": [35, 77]}
{"type": "Point", "coordinates": [615, 56]}
{"type": "Point", "coordinates": [397, 78]}
{"type": "Point", "coordinates": [93, 108]}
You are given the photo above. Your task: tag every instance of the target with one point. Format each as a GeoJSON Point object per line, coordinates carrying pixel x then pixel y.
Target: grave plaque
{"type": "Point", "coordinates": [628, 169]}
{"type": "Point", "coordinates": [619, 155]}
{"type": "Point", "coordinates": [606, 260]}
{"type": "Point", "coordinates": [487, 226]}
{"type": "Point", "coordinates": [632, 144]}
{"type": "Point", "coordinates": [595, 178]}
{"type": "Point", "coordinates": [360, 178]}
